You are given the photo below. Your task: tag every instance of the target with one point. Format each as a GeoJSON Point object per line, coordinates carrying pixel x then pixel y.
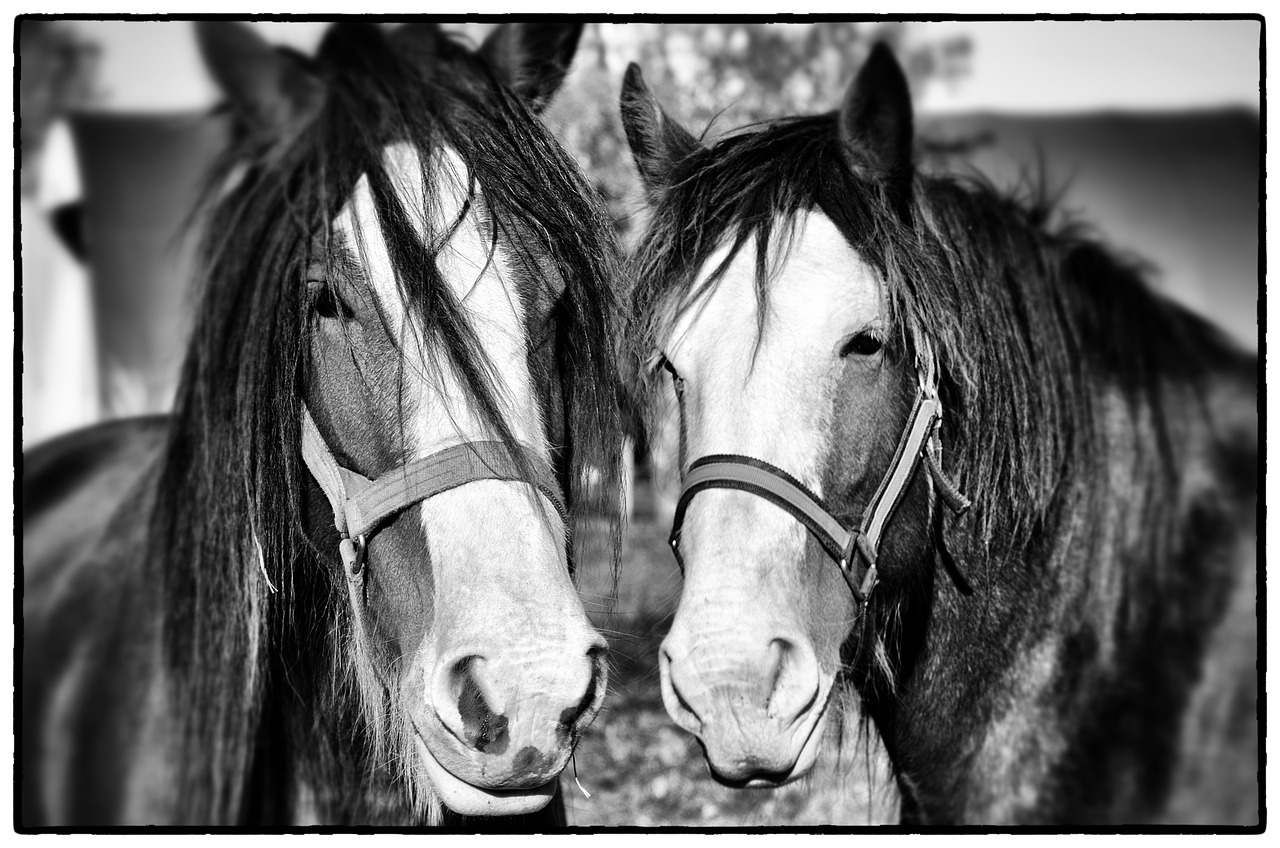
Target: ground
{"type": "Point", "coordinates": [642, 770]}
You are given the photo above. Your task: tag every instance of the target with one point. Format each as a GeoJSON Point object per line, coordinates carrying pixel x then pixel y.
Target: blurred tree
{"type": "Point", "coordinates": [719, 76]}
{"type": "Point", "coordinates": [57, 70]}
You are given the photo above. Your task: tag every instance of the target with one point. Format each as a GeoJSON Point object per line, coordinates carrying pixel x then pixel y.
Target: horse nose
{"type": "Point", "coordinates": [783, 673]}
{"type": "Point", "coordinates": [747, 703]}
{"type": "Point", "coordinates": [575, 718]}
{"type": "Point", "coordinates": [515, 722]}
{"type": "Point", "coordinates": [479, 719]}
{"type": "Point", "coordinates": [793, 669]}
{"type": "Point", "coordinates": [678, 706]}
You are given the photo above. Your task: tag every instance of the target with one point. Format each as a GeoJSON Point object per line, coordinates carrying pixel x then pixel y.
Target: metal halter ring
{"type": "Point", "coordinates": [858, 546]}
{"type": "Point", "coordinates": [353, 553]}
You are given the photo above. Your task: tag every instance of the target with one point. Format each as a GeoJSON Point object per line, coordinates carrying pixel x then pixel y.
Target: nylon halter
{"type": "Point", "coordinates": [361, 506]}
{"type": "Point", "coordinates": [854, 549]}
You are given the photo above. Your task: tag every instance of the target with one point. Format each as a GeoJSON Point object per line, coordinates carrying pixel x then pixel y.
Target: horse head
{"type": "Point", "coordinates": [428, 386]}
{"type": "Point", "coordinates": [834, 318]}
{"type": "Point", "coordinates": [795, 388]}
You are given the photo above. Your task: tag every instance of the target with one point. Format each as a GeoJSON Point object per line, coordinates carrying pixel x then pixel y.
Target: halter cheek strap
{"type": "Point", "coordinates": [361, 505]}
{"type": "Point", "coordinates": [855, 550]}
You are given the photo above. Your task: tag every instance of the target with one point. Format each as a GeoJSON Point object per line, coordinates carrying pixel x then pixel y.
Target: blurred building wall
{"type": "Point", "coordinates": [59, 387]}
{"type": "Point", "coordinates": [59, 362]}
{"type": "Point", "coordinates": [1180, 190]}
{"type": "Point", "coordinates": [143, 175]}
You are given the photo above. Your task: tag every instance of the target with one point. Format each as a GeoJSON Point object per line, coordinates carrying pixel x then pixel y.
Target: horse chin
{"type": "Point", "coordinates": [467, 799]}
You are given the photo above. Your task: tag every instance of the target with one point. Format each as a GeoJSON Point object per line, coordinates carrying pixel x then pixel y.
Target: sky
{"type": "Point", "coordinates": [1017, 66]}
{"type": "Point", "coordinates": [1064, 66]}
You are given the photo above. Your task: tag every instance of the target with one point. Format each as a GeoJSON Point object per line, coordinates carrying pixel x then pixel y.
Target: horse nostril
{"type": "Point", "coordinates": [683, 712]}
{"type": "Point", "coordinates": [575, 719]}
{"type": "Point", "coordinates": [483, 725]}
{"type": "Point", "coordinates": [793, 679]}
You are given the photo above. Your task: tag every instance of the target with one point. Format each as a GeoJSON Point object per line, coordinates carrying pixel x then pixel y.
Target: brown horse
{"type": "Point", "coordinates": [334, 585]}
{"type": "Point", "coordinates": [856, 346]}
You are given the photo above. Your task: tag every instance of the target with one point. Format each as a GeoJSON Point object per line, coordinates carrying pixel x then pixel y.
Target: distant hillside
{"type": "Point", "coordinates": [1180, 190]}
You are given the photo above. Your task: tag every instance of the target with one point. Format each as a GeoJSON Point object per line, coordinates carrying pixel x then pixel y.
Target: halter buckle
{"type": "Point", "coordinates": [868, 583]}
{"type": "Point", "coordinates": [353, 553]}
{"type": "Point", "coordinates": [858, 545]}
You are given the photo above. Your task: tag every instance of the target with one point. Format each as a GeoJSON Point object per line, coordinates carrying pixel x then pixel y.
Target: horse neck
{"type": "Point", "coordinates": [1056, 690]}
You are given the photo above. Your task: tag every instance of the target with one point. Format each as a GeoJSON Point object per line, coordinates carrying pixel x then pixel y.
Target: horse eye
{"type": "Point", "coordinates": [327, 304]}
{"type": "Point", "coordinates": [862, 344]}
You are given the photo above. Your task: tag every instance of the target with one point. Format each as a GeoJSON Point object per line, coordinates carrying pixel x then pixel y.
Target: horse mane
{"type": "Point", "coordinates": [246, 664]}
{"type": "Point", "coordinates": [1034, 326]}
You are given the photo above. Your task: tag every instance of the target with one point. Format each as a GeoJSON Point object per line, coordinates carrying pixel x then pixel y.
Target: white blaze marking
{"type": "Point", "coordinates": [488, 532]}
{"type": "Point", "coordinates": [498, 576]}
{"type": "Point", "coordinates": [766, 392]}
{"type": "Point", "coordinates": [443, 412]}
{"type": "Point", "coordinates": [774, 403]}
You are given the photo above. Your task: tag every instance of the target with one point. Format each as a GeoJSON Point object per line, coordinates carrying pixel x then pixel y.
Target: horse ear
{"type": "Point", "coordinates": [533, 58]}
{"type": "Point", "coordinates": [657, 142]}
{"type": "Point", "coordinates": [876, 127]}
{"type": "Point", "coordinates": [269, 89]}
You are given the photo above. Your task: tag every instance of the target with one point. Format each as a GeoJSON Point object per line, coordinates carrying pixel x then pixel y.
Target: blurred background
{"type": "Point", "coordinates": [1149, 130]}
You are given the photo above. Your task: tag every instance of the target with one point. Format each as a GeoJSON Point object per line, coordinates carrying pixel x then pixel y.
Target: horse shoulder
{"type": "Point", "coordinates": [90, 670]}
{"type": "Point", "coordinates": [1217, 780]}
{"type": "Point", "coordinates": [1217, 774]}
{"type": "Point", "coordinates": [1216, 777]}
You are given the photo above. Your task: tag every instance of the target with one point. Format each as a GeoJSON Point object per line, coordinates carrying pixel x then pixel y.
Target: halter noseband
{"type": "Point", "coordinates": [854, 550]}
{"type": "Point", "coordinates": [361, 505]}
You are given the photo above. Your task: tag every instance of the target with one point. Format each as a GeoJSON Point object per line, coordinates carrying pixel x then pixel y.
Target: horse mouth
{"type": "Point", "coordinates": [468, 799]}
{"type": "Point", "coordinates": [774, 775]}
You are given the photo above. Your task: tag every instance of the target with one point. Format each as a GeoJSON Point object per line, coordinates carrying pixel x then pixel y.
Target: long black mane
{"type": "Point", "coordinates": [1041, 331]}
{"type": "Point", "coordinates": [245, 662]}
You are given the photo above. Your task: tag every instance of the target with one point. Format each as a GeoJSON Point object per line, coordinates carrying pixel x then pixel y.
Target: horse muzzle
{"type": "Point", "coordinates": [757, 707]}
{"type": "Point", "coordinates": [470, 799]}
{"type": "Point", "coordinates": [500, 730]}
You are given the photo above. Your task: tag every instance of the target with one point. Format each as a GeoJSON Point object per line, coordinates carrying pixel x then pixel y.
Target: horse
{"type": "Point", "coordinates": [953, 473]}
{"type": "Point", "coordinates": [334, 586]}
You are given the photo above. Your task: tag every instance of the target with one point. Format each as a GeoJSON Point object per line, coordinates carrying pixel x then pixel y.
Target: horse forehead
{"type": "Point", "coordinates": [468, 263]}
{"type": "Point", "coordinates": [822, 292]}
{"type": "Point", "coordinates": [462, 258]}
{"type": "Point", "coordinates": [449, 176]}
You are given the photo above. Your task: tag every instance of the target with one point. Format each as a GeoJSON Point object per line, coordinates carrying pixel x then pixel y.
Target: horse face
{"type": "Point", "coordinates": [755, 648]}
{"type": "Point", "coordinates": [472, 618]}
{"type": "Point", "coordinates": [765, 619]}
{"type": "Point", "coordinates": [434, 322]}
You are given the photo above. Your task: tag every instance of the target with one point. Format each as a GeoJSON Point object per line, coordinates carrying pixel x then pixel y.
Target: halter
{"type": "Point", "coordinates": [361, 506]}
{"type": "Point", "coordinates": [854, 549]}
